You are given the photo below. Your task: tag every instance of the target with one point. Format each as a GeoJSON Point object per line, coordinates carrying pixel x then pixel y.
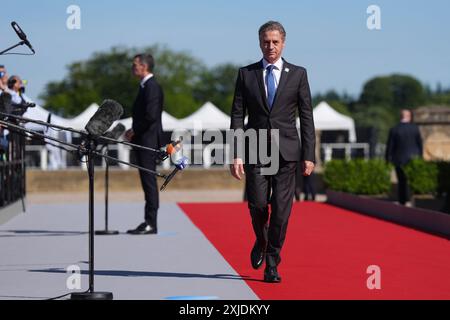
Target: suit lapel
{"type": "Point", "coordinates": [262, 89]}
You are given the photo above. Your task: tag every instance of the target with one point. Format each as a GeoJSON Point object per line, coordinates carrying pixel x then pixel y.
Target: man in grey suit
{"type": "Point", "coordinates": [271, 91]}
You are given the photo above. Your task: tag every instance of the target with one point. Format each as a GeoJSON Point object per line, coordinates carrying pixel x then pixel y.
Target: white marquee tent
{"type": "Point", "coordinates": [326, 118]}
{"type": "Point", "coordinates": [169, 122]}
{"type": "Point", "coordinates": [39, 113]}
{"type": "Point", "coordinates": [80, 121]}
{"type": "Point", "coordinates": [207, 117]}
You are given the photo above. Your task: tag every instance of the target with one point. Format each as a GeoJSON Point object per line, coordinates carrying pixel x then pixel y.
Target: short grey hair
{"type": "Point", "coordinates": [272, 26]}
{"type": "Point", "coordinates": [146, 58]}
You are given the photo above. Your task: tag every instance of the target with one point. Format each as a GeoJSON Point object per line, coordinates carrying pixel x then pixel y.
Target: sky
{"type": "Point", "coordinates": [329, 38]}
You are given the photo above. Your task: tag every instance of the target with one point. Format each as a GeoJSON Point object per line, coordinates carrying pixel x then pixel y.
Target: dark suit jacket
{"type": "Point", "coordinates": [404, 143]}
{"type": "Point", "coordinates": [147, 110]}
{"type": "Point", "coordinates": [292, 94]}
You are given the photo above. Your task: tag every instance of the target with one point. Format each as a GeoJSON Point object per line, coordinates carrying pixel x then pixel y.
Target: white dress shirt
{"type": "Point", "coordinates": [143, 81]}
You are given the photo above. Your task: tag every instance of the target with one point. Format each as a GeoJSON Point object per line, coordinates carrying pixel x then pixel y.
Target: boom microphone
{"type": "Point", "coordinates": [21, 35]}
{"type": "Point", "coordinates": [116, 132]}
{"type": "Point", "coordinates": [180, 166]}
{"type": "Point", "coordinates": [107, 113]}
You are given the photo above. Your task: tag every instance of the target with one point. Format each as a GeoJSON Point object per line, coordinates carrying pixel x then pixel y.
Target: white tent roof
{"type": "Point", "coordinates": [207, 117]}
{"type": "Point", "coordinates": [80, 121]}
{"type": "Point", "coordinates": [326, 118]}
{"type": "Point", "coordinates": [39, 113]}
{"type": "Point", "coordinates": [168, 122]}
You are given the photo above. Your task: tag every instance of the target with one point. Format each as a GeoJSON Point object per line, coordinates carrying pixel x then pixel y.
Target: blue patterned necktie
{"type": "Point", "coordinates": [270, 82]}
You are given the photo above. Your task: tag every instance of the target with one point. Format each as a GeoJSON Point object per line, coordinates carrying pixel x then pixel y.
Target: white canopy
{"type": "Point", "coordinates": [80, 121]}
{"type": "Point", "coordinates": [39, 113]}
{"type": "Point", "coordinates": [168, 122]}
{"type": "Point", "coordinates": [326, 118]}
{"type": "Point", "coordinates": [207, 117]}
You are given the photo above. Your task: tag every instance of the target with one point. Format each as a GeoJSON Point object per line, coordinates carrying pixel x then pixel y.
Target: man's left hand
{"type": "Point", "coordinates": [307, 167]}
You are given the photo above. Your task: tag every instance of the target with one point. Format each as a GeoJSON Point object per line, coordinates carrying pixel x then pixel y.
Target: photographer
{"type": "Point", "coordinates": [20, 102]}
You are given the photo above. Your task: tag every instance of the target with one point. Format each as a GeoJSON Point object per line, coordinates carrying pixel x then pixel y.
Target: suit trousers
{"type": "Point", "coordinates": [148, 181]}
{"type": "Point", "coordinates": [278, 191]}
{"type": "Point", "coordinates": [403, 190]}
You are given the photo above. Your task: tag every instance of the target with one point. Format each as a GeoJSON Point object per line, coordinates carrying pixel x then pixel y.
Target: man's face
{"type": "Point", "coordinates": [272, 45]}
{"type": "Point", "coordinates": [17, 85]}
{"type": "Point", "coordinates": [139, 69]}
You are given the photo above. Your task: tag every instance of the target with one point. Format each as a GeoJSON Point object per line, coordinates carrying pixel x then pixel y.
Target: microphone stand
{"type": "Point", "coordinates": [87, 148]}
{"type": "Point", "coordinates": [106, 231]}
{"type": "Point", "coordinates": [21, 43]}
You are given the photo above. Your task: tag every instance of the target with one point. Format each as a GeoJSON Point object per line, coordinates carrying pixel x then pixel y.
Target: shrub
{"type": "Point", "coordinates": [370, 177]}
{"type": "Point", "coordinates": [422, 176]}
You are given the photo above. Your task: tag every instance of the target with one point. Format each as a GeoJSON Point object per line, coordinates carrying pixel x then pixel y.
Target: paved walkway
{"type": "Point", "coordinates": [179, 263]}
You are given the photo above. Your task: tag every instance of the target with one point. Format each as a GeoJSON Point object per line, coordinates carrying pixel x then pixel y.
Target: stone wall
{"type": "Point", "coordinates": [434, 125]}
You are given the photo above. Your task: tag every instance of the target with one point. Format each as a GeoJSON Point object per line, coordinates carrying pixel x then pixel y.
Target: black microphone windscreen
{"type": "Point", "coordinates": [107, 113]}
{"type": "Point", "coordinates": [116, 132]}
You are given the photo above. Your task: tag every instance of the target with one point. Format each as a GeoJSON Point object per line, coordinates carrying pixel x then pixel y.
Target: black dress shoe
{"type": "Point", "coordinates": [257, 256]}
{"type": "Point", "coordinates": [143, 228]}
{"type": "Point", "coordinates": [271, 275]}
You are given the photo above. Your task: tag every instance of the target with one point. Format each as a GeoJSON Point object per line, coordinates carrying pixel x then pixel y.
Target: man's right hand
{"type": "Point", "coordinates": [237, 168]}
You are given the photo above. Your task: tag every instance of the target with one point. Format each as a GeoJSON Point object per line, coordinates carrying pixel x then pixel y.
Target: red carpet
{"type": "Point", "coordinates": [327, 252]}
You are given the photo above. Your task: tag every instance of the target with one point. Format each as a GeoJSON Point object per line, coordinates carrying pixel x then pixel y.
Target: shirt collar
{"type": "Point", "coordinates": [278, 64]}
{"type": "Point", "coordinates": [143, 81]}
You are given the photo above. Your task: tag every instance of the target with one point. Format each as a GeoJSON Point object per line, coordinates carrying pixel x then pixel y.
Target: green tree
{"type": "Point", "coordinates": [378, 117]}
{"type": "Point", "coordinates": [105, 75]}
{"type": "Point", "coordinates": [217, 85]}
{"type": "Point", "coordinates": [108, 75]}
{"type": "Point", "coordinates": [394, 91]}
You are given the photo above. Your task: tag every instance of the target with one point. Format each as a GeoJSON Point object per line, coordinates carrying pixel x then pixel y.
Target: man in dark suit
{"type": "Point", "coordinates": [147, 131]}
{"type": "Point", "coordinates": [270, 91]}
{"type": "Point", "coordinates": [404, 143]}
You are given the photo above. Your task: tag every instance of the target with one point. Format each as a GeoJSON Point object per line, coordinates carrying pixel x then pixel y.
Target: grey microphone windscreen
{"type": "Point", "coordinates": [108, 112]}
{"type": "Point", "coordinates": [116, 132]}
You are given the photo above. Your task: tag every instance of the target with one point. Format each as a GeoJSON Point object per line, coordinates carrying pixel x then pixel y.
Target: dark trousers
{"type": "Point", "coordinates": [308, 188]}
{"type": "Point", "coordinates": [278, 191]}
{"type": "Point", "coordinates": [403, 192]}
{"type": "Point", "coordinates": [147, 160]}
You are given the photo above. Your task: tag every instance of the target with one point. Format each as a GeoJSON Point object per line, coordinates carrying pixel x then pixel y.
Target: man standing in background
{"type": "Point", "coordinates": [404, 143]}
{"type": "Point", "coordinates": [147, 131]}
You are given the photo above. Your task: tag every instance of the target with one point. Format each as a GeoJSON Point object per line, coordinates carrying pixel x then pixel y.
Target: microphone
{"type": "Point", "coordinates": [171, 149]}
{"type": "Point", "coordinates": [116, 132]}
{"type": "Point", "coordinates": [104, 117]}
{"type": "Point", "coordinates": [21, 35]}
{"type": "Point", "coordinates": [180, 166]}
{"type": "Point", "coordinates": [174, 147]}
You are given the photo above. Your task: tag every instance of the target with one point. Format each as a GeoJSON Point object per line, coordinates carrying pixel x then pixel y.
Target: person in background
{"type": "Point", "coordinates": [404, 143]}
{"type": "Point", "coordinates": [3, 79]}
{"type": "Point", "coordinates": [147, 131]}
